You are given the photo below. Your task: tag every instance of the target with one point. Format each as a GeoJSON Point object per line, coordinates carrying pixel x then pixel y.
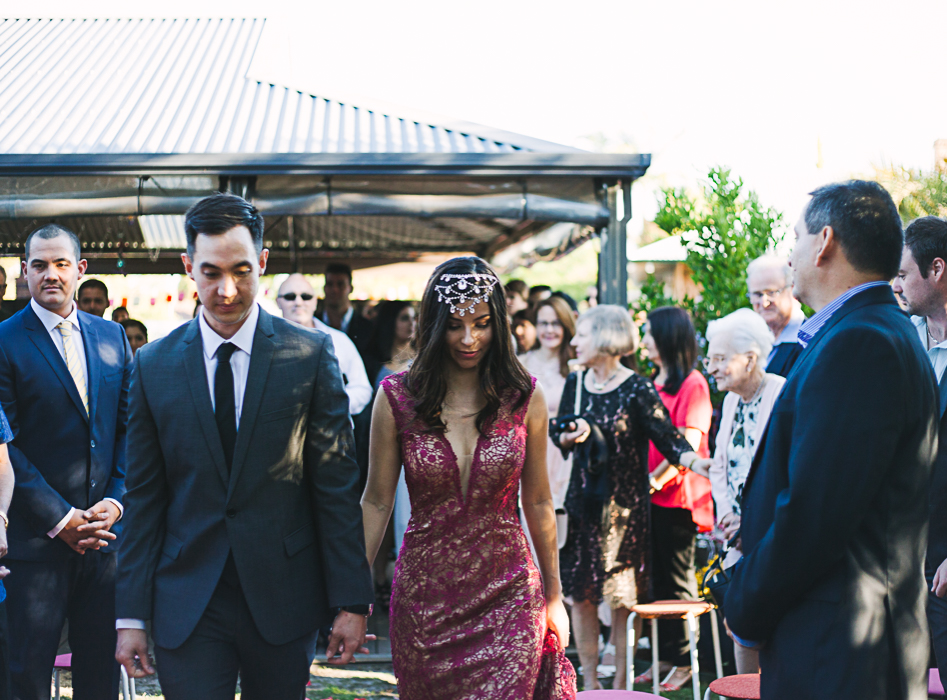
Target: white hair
{"type": "Point", "coordinates": [745, 330]}
{"type": "Point", "coordinates": [770, 262]}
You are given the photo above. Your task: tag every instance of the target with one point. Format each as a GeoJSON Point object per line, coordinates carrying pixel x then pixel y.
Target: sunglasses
{"type": "Point", "coordinates": [291, 296]}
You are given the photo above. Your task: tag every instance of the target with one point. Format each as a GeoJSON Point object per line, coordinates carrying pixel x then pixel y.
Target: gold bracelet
{"type": "Point", "coordinates": [6, 520]}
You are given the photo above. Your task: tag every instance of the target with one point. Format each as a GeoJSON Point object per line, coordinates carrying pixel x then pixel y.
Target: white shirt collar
{"type": "Point", "coordinates": [243, 338]}
{"type": "Point", "coordinates": [51, 320]}
{"type": "Point", "coordinates": [920, 322]}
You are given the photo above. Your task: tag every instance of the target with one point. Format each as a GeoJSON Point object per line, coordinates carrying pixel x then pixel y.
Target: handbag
{"type": "Point", "coordinates": [717, 578]}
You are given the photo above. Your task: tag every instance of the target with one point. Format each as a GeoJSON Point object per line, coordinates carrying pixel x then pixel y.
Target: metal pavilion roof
{"type": "Point", "coordinates": [182, 86]}
{"type": "Point", "coordinates": [114, 127]}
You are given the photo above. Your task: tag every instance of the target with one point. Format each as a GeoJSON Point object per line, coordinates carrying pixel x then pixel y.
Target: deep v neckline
{"type": "Point", "coordinates": [464, 497]}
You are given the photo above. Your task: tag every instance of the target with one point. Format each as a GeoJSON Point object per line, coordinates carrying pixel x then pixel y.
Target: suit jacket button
{"type": "Point", "coordinates": [93, 443]}
{"type": "Point", "coordinates": [231, 512]}
{"type": "Point", "coordinates": [92, 483]}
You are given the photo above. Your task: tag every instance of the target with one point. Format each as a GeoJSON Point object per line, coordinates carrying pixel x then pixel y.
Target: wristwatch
{"type": "Point", "coordinates": [361, 609]}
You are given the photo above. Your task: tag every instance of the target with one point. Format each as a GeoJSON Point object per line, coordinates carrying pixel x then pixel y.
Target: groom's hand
{"type": "Point", "coordinates": [131, 651]}
{"type": "Point", "coordinates": [348, 636]}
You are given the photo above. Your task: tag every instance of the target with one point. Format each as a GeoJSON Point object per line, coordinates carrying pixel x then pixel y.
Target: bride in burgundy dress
{"type": "Point", "coordinates": [471, 616]}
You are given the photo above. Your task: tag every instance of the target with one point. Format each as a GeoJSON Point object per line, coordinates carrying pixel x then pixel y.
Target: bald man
{"type": "Point", "coordinates": [297, 300]}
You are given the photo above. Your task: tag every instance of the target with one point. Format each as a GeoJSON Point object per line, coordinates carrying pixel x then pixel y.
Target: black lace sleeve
{"type": "Point", "coordinates": [657, 424]}
{"type": "Point", "coordinates": [566, 406]}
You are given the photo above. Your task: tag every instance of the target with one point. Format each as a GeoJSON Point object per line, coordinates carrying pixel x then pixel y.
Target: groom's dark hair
{"type": "Point", "coordinates": [218, 214]}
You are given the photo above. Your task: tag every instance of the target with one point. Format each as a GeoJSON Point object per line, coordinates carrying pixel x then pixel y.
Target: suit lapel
{"type": "Point", "coordinates": [40, 338]}
{"type": "Point", "coordinates": [260, 358]}
{"type": "Point", "coordinates": [197, 381]}
{"type": "Point", "coordinates": [90, 342]}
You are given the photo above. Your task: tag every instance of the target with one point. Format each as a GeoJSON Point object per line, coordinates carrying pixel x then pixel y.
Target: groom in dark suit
{"type": "Point", "coordinates": [244, 530]}
{"type": "Point", "coordinates": [831, 586]}
{"type": "Point", "coordinates": [64, 378]}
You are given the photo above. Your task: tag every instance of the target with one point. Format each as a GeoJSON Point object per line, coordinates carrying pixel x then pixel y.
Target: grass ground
{"type": "Point", "coordinates": [370, 682]}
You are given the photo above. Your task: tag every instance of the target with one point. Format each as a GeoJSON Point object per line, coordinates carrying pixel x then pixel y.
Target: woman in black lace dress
{"type": "Point", "coordinates": [607, 551]}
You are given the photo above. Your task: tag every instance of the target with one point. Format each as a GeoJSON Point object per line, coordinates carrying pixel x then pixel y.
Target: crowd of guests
{"type": "Point", "coordinates": [824, 480]}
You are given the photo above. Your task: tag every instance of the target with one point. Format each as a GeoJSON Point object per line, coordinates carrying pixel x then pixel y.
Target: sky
{"type": "Point", "coordinates": [788, 95]}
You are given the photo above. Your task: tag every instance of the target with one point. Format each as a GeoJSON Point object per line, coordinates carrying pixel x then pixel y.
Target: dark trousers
{"type": "Point", "coordinates": [937, 619]}
{"type": "Point", "coordinates": [227, 642]}
{"type": "Point", "coordinates": [5, 689]}
{"type": "Point", "coordinates": [674, 535]}
{"type": "Point", "coordinates": [41, 596]}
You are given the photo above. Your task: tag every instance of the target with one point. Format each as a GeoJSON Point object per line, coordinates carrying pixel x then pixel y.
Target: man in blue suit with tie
{"type": "Point", "coordinates": [64, 378]}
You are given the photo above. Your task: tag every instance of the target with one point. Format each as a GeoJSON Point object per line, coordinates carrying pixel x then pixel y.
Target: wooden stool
{"type": "Point", "coordinates": [746, 686]}
{"type": "Point", "coordinates": [686, 610]}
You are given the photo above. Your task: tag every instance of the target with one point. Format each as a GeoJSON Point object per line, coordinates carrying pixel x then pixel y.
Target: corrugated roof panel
{"type": "Point", "coordinates": [181, 86]}
{"type": "Point", "coordinates": [165, 232]}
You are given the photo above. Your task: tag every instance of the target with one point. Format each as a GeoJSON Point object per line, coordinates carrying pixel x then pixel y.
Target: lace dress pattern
{"type": "Point", "coordinates": [607, 554]}
{"type": "Point", "coordinates": [468, 616]}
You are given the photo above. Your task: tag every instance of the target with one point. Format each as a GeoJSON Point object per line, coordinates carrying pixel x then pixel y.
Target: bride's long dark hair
{"type": "Point", "coordinates": [499, 368]}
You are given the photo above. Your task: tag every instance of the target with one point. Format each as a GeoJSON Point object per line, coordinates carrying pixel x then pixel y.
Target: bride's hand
{"type": "Point", "coordinates": [557, 619]}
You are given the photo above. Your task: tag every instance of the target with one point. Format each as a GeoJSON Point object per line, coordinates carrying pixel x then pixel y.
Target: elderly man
{"type": "Point", "coordinates": [922, 285]}
{"type": "Point", "coordinates": [297, 300]}
{"type": "Point", "coordinates": [769, 284]}
{"type": "Point", "coordinates": [834, 524]}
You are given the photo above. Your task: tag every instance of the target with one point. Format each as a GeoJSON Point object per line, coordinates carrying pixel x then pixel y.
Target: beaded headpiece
{"type": "Point", "coordinates": [464, 292]}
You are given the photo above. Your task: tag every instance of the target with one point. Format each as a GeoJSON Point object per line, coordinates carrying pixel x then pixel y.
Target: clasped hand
{"type": "Point", "coordinates": [90, 529]}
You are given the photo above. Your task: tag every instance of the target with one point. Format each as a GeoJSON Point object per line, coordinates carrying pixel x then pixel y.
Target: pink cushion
{"type": "Point", "coordinates": [63, 661]}
{"type": "Point", "coordinates": [614, 695]}
{"type": "Point", "coordinates": [934, 685]}
{"type": "Point", "coordinates": [745, 686]}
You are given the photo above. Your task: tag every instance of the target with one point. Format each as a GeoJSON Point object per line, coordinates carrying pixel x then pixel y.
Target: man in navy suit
{"type": "Point", "coordinates": [834, 529]}
{"type": "Point", "coordinates": [64, 377]}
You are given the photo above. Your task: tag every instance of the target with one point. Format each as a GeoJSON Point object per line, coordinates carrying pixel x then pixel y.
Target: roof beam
{"type": "Point", "coordinates": [608, 167]}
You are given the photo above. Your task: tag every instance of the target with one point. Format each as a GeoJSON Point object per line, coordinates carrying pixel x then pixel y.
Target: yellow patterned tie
{"type": "Point", "coordinates": [72, 362]}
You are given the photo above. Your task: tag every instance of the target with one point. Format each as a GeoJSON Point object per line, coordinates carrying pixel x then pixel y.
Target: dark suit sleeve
{"type": "Point", "coordinates": [847, 421]}
{"type": "Point", "coordinates": [146, 503]}
{"type": "Point", "coordinates": [333, 479]}
{"type": "Point", "coordinates": [116, 485]}
{"type": "Point", "coordinates": [39, 502]}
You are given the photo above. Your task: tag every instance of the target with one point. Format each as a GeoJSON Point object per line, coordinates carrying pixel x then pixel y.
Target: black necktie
{"type": "Point", "coordinates": [225, 406]}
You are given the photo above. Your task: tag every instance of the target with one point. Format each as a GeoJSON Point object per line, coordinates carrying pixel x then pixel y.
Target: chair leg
{"type": "Point", "coordinates": [131, 682]}
{"type": "Point", "coordinates": [56, 677]}
{"type": "Point", "coordinates": [631, 648]}
{"type": "Point", "coordinates": [691, 622]}
{"type": "Point", "coordinates": [655, 663]}
{"type": "Point", "coordinates": [125, 690]}
{"type": "Point", "coordinates": [715, 633]}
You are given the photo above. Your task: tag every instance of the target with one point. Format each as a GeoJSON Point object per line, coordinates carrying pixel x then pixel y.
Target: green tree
{"type": "Point", "coordinates": [916, 192]}
{"type": "Point", "coordinates": [732, 228]}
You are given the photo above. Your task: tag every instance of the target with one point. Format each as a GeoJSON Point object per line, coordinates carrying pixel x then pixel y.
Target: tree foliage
{"type": "Point", "coordinates": [917, 193]}
{"type": "Point", "coordinates": [731, 228]}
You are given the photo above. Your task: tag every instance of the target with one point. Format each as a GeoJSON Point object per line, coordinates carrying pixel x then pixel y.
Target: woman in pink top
{"type": "Point", "coordinates": [681, 503]}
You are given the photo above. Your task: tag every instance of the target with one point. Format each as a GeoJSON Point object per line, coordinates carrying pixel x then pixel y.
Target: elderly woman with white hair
{"type": "Point", "coordinates": [738, 345]}
{"type": "Point", "coordinates": [607, 551]}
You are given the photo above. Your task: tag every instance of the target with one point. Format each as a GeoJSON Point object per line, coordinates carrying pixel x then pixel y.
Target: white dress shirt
{"type": "Point", "coordinates": [50, 320]}
{"type": "Point", "coordinates": [937, 353]}
{"type": "Point", "coordinates": [239, 363]}
{"type": "Point", "coordinates": [357, 386]}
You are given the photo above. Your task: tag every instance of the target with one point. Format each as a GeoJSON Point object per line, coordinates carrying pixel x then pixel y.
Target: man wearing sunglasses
{"type": "Point", "coordinates": [769, 285]}
{"type": "Point", "coordinates": [297, 300]}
